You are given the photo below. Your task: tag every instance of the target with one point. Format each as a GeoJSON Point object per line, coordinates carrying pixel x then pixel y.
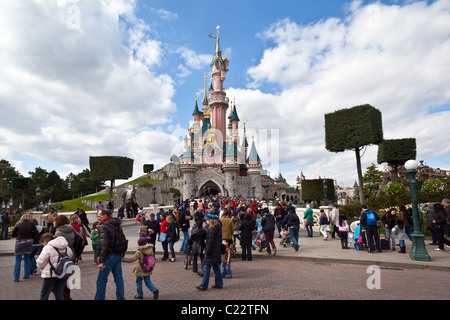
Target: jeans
{"type": "Point", "coordinates": [269, 240]}
{"type": "Point", "coordinates": [225, 270]}
{"type": "Point", "coordinates": [293, 232]}
{"type": "Point", "coordinates": [247, 253]}
{"type": "Point", "coordinates": [390, 237]}
{"type": "Point", "coordinates": [26, 265]}
{"type": "Point", "coordinates": [95, 248]}
{"type": "Point", "coordinates": [184, 244]}
{"type": "Point", "coordinates": [217, 276]}
{"type": "Point", "coordinates": [309, 230]}
{"type": "Point", "coordinates": [53, 283]}
{"type": "Point", "coordinates": [148, 284]}
{"type": "Point", "coordinates": [4, 233]}
{"type": "Point", "coordinates": [112, 264]}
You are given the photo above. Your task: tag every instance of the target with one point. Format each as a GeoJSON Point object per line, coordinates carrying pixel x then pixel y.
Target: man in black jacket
{"type": "Point", "coordinates": [109, 261]}
{"type": "Point", "coordinates": [372, 235]}
{"type": "Point", "coordinates": [268, 226]}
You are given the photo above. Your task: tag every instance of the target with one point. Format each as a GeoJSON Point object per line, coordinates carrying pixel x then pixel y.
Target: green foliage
{"type": "Point", "coordinates": [397, 151]}
{"type": "Point", "coordinates": [72, 205]}
{"type": "Point", "coordinates": [312, 190]}
{"type": "Point", "coordinates": [394, 188]}
{"type": "Point", "coordinates": [352, 128]}
{"type": "Point", "coordinates": [372, 179]}
{"type": "Point", "coordinates": [110, 168]}
{"type": "Point", "coordinates": [20, 183]}
{"type": "Point", "coordinates": [433, 185]}
{"type": "Point", "coordinates": [148, 168]}
{"type": "Point", "coordinates": [352, 210]}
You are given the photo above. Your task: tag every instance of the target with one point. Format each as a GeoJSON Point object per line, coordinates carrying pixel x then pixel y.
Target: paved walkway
{"type": "Point", "coordinates": [316, 250]}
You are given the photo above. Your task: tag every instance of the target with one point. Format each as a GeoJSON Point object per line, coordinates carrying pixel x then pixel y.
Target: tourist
{"type": "Point", "coordinates": [406, 216]}
{"type": "Point", "coordinates": [25, 231]}
{"type": "Point", "coordinates": [144, 249]}
{"type": "Point", "coordinates": [50, 217]}
{"type": "Point", "coordinates": [5, 225]}
{"type": "Point", "coordinates": [48, 259]}
{"type": "Point", "coordinates": [309, 217]}
{"type": "Point", "coordinates": [227, 226]}
{"type": "Point", "coordinates": [323, 224]}
{"type": "Point", "coordinates": [292, 222]}
{"type": "Point", "coordinates": [213, 254]}
{"type": "Point", "coordinates": [389, 220]}
{"type": "Point", "coordinates": [153, 229]}
{"type": "Point", "coordinates": [279, 214]}
{"type": "Point", "coordinates": [183, 221]}
{"type": "Point", "coordinates": [440, 226]}
{"type": "Point", "coordinates": [172, 235]}
{"type": "Point", "coordinates": [225, 267]}
{"type": "Point", "coordinates": [95, 241]}
{"type": "Point", "coordinates": [99, 206]}
{"type": "Point", "coordinates": [121, 212]}
{"type": "Point", "coordinates": [109, 261]}
{"type": "Point", "coordinates": [64, 229]}
{"type": "Point", "coordinates": [37, 246]}
{"type": "Point", "coordinates": [429, 212]}
{"type": "Point", "coordinates": [247, 226]}
{"type": "Point", "coordinates": [400, 231]}
{"type": "Point", "coordinates": [163, 236]}
{"type": "Point", "coordinates": [343, 230]}
{"type": "Point", "coordinates": [369, 221]}
{"type": "Point", "coordinates": [84, 220]}
{"type": "Point", "coordinates": [334, 217]}
{"type": "Point", "coordinates": [236, 234]}
{"type": "Point", "coordinates": [198, 238]}
{"type": "Point", "coordinates": [268, 223]}
{"type": "Point", "coordinates": [446, 204]}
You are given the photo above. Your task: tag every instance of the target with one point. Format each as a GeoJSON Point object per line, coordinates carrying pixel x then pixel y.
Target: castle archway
{"type": "Point", "coordinates": [209, 188]}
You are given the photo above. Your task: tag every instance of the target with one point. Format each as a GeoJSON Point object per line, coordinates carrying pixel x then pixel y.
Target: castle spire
{"type": "Point", "coordinates": [205, 97]}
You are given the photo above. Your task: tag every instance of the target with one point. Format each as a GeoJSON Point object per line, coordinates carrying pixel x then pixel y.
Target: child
{"type": "Point", "coordinates": [226, 260]}
{"type": "Point", "coordinates": [48, 258]}
{"type": "Point", "coordinates": [323, 222]}
{"type": "Point", "coordinates": [143, 249]}
{"type": "Point", "coordinates": [343, 230]}
{"type": "Point", "coordinates": [95, 241]}
{"type": "Point", "coordinates": [143, 233]}
{"type": "Point", "coordinates": [401, 235]}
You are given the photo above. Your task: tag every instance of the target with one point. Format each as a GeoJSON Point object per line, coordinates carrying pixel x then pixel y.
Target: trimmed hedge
{"type": "Point", "coordinates": [347, 129]}
{"type": "Point", "coordinates": [397, 151]}
{"type": "Point", "coordinates": [109, 168]}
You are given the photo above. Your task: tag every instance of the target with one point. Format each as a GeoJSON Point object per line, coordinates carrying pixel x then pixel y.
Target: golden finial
{"type": "Point", "coordinates": [196, 95]}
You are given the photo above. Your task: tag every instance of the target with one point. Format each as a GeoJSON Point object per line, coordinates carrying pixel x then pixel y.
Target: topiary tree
{"type": "Point", "coordinates": [353, 129]}
{"type": "Point", "coordinates": [110, 168]}
{"type": "Point", "coordinates": [22, 184]}
{"type": "Point", "coordinates": [396, 152]}
{"type": "Point", "coordinates": [148, 168]}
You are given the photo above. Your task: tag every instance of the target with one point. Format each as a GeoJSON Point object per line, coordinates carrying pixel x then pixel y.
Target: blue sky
{"type": "Point", "coordinates": [119, 77]}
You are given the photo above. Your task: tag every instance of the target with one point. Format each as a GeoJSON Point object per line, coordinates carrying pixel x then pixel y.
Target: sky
{"type": "Point", "coordinates": [82, 78]}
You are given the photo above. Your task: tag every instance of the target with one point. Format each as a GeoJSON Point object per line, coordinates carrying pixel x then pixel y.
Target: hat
{"type": "Point", "coordinates": [142, 242]}
{"type": "Point", "coordinates": [446, 200]}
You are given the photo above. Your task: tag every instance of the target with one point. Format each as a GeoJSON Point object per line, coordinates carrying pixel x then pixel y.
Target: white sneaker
{"type": "Point", "coordinates": [437, 249]}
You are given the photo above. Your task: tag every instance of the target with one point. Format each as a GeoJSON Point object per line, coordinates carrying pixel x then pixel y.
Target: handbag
{"type": "Point", "coordinates": [23, 246]}
{"type": "Point", "coordinates": [162, 237]}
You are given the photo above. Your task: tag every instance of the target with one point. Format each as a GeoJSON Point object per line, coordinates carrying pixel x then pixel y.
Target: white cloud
{"type": "Point", "coordinates": [68, 93]}
{"type": "Point", "coordinates": [396, 58]}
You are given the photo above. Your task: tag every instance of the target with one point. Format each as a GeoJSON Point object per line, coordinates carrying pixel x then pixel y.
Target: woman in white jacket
{"type": "Point", "coordinates": [48, 258]}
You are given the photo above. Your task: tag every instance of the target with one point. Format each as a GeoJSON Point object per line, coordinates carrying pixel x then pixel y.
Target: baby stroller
{"type": "Point", "coordinates": [360, 239]}
{"type": "Point", "coordinates": [285, 238]}
{"type": "Point", "coordinates": [261, 241]}
{"type": "Point", "coordinates": [189, 256]}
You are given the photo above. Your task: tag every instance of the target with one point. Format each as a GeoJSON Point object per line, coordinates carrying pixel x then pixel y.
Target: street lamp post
{"type": "Point", "coordinates": [325, 186]}
{"type": "Point", "coordinates": [154, 195]}
{"type": "Point", "coordinates": [418, 250]}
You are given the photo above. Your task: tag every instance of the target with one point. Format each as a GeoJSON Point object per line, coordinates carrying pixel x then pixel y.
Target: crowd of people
{"type": "Point", "coordinates": [210, 233]}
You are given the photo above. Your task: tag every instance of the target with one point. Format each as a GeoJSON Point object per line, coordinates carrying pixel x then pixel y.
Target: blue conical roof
{"type": "Point", "coordinates": [253, 154]}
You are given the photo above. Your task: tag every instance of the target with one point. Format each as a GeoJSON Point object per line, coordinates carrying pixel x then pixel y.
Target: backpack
{"type": "Point", "coordinates": [78, 244]}
{"type": "Point", "coordinates": [62, 266]}
{"type": "Point", "coordinates": [371, 220]}
{"type": "Point", "coordinates": [120, 244]}
{"type": "Point", "coordinates": [148, 263]}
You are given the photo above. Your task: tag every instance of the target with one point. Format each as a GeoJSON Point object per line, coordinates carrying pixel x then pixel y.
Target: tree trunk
{"type": "Point", "coordinates": [362, 199]}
